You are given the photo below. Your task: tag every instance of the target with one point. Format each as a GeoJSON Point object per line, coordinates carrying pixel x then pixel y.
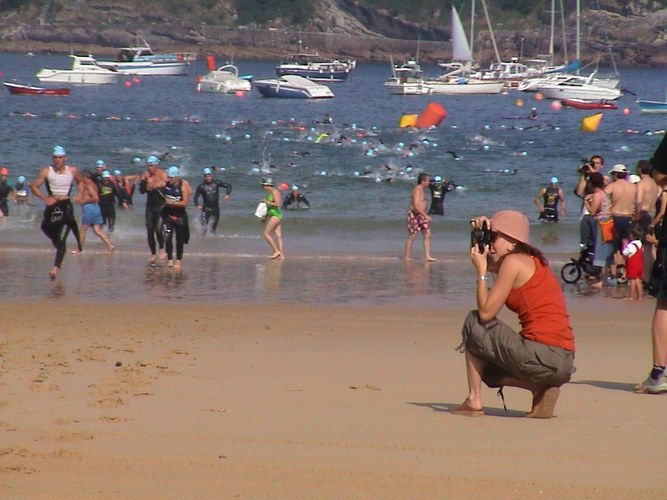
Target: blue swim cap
{"type": "Point", "coordinates": [437, 178]}
{"type": "Point", "coordinates": [99, 163]}
{"type": "Point", "coordinates": [208, 171]}
{"type": "Point", "coordinates": [295, 187]}
{"type": "Point", "coordinates": [173, 171]}
{"type": "Point", "coordinates": [136, 159]}
{"type": "Point", "coordinates": [21, 178]}
{"type": "Point", "coordinates": [117, 172]}
{"type": "Point", "coordinates": [152, 159]}
{"type": "Point", "coordinates": [106, 174]}
{"type": "Point", "coordinates": [554, 180]}
{"type": "Point", "coordinates": [59, 151]}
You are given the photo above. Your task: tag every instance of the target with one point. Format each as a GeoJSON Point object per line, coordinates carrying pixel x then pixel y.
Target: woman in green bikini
{"type": "Point", "coordinates": [273, 232]}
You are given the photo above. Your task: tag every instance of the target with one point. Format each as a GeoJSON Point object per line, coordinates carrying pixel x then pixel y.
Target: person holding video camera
{"type": "Point", "coordinates": [588, 224]}
{"type": "Point", "coordinates": [539, 358]}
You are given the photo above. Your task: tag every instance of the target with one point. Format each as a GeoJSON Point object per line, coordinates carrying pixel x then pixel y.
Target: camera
{"type": "Point", "coordinates": [480, 236]}
{"type": "Point", "coordinates": [585, 168]}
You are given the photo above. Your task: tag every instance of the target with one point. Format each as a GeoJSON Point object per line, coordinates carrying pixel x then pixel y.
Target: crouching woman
{"type": "Point", "coordinates": [540, 358]}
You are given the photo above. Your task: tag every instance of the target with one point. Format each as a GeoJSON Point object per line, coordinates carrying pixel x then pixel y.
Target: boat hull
{"type": "Point", "coordinates": [314, 74]}
{"type": "Point", "coordinates": [292, 87]}
{"type": "Point", "coordinates": [407, 88]}
{"type": "Point", "coordinates": [465, 87]}
{"type": "Point", "coordinates": [76, 77]}
{"type": "Point", "coordinates": [588, 93]}
{"type": "Point", "coordinates": [147, 68]}
{"type": "Point", "coordinates": [581, 104]}
{"type": "Point", "coordinates": [652, 107]}
{"type": "Point", "coordinates": [21, 89]}
{"type": "Point", "coordinates": [223, 86]}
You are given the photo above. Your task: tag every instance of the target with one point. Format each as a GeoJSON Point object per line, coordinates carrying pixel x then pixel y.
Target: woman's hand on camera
{"type": "Point", "coordinates": [478, 222]}
{"type": "Point", "coordinates": [478, 259]}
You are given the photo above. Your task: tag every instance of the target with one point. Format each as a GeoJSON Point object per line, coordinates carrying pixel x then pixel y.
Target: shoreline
{"type": "Point", "coordinates": [288, 400]}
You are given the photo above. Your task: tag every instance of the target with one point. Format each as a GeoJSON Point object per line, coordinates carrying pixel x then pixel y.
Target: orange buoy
{"type": "Point", "coordinates": [432, 115]}
{"type": "Point", "coordinates": [210, 63]}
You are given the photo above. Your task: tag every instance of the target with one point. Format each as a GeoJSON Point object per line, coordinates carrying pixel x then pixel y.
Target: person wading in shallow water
{"type": "Point", "coordinates": [59, 179]}
{"type": "Point", "coordinates": [418, 219]}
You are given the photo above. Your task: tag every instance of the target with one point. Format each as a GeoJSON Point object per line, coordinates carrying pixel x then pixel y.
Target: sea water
{"type": "Point", "coordinates": [356, 172]}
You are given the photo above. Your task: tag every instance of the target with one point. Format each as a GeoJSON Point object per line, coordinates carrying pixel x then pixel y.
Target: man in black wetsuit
{"type": "Point", "coordinates": [209, 190]}
{"type": "Point", "coordinates": [295, 200]}
{"type": "Point", "coordinates": [438, 189]}
{"type": "Point", "coordinates": [108, 195]}
{"type": "Point", "coordinates": [151, 183]}
{"type": "Point", "coordinates": [5, 190]}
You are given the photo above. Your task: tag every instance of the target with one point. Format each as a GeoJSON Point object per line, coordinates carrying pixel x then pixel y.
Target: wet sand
{"type": "Point", "coordinates": [213, 400]}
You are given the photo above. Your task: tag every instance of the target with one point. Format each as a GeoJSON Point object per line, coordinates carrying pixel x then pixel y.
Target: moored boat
{"type": "Point", "coordinates": [142, 61]}
{"type": "Point", "coordinates": [584, 104]}
{"type": "Point", "coordinates": [84, 70]}
{"type": "Point", "coordinates": [316, 68]}
{"type": "Point", "coordinates": [407, 79]}
{"type": "Point", "coordinates": [25, 89]}
{"type": "Point", "coordinates": [652, 107]}
{"type": "Point", "coordinates": [224, 80]}
{"type": "Point", "coordinates": [575, 88]}
{"type": "Point", "coordinates": [292, 86]}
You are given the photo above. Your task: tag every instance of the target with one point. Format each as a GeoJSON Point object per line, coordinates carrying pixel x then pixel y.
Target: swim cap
{"type": "Point", "coordinates": [512, 223]}
{"type": "Point", "coordinates": [153, 159]}
{"type": "Point", "coordinates": [21, 178]}
{"type": "Point", "coordinates": [4, 171]}
{"type": "Point", "coordinates": [59, 151]}
{"type": "Point", "coordinates": [136, 159]}
{"type": "Point", "coordinates": [554, 180]}
{"type": "Point", "coordinates": [99, 163]}
{"type": "Point", "coordinates": [437, 178]}
{"type": "Point", "coordinates": [267, 181]}
{"type": "Point", "coordinates": [295, 187]}
{"type": "Point", "coordinates": [208, 171]}
{"type": "Point", "coordinates": [173, 171]}
{"type": "Point", "coordinates": [117, 172]}
{"type": "Point", "coordinates": [106, 174]}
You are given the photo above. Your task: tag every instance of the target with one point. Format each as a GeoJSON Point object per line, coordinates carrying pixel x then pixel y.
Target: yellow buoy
{"type": "Point", "coordinates": [591, 123]}
{"type": "Point", "coordinates": [407, 121]}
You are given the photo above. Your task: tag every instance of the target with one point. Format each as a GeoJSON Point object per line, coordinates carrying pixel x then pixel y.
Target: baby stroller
{"type": "Point", "coordinates": [572, 271]}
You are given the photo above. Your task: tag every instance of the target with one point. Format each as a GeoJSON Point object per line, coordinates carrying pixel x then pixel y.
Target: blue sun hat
{"type": "Point", "coordinates": [207, 171]}
{"type": "Point", "coordinates": [117, 173]}
{"type": "Point", "coordinates": [59, 151]}
{"type": "Point", "coordinates": [173, 171]}
{"type": "Point", "coordinates": [152, 159]}
{"type": "Point", "coordinates": [99, 163]}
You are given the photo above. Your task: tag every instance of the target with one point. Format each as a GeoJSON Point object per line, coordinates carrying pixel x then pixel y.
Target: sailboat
{"type": "Point", "coordinates": [457, 79]}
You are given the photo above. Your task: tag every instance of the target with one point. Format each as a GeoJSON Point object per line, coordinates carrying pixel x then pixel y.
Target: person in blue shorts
{"type": "Point", "coordinates": [91, 214]}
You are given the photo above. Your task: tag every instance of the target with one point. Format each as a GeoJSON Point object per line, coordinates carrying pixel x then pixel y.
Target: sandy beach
{"type": "Point", "coordinates": [294, 401]}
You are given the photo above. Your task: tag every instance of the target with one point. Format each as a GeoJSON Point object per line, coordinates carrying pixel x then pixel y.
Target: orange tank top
{"type": "Point", "coordinates": [540, 306]}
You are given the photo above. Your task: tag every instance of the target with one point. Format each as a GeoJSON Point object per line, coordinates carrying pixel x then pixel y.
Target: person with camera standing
{"type": "Point", "coordinates": [588, 224]}
{"type": "Point", "coordinates": [540, 358]}
{"type": "Point", "coordinates": [418, 219]}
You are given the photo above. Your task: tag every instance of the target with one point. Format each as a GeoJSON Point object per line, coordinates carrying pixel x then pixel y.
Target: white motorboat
{"type": "Point", "coordinates": [575, 88]}
{"type": "Point", "coordinates": [314, 67]}
{"type": "Point", "coordinates": [224, 80]}
{"type": "Point", "coordinates": [144, 62]}
{"type": "Point", "coordinates": [292, 86]}
{"type": "Point", "coordinates": [407, 79]}
{"type": "Point", "coordinates": [84, 70]}
{"type": "Point", "coordinates": [536, 84]}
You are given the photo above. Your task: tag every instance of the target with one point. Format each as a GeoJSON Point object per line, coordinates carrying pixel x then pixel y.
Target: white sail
{"type": "Point", "coordinates": [460, 47]}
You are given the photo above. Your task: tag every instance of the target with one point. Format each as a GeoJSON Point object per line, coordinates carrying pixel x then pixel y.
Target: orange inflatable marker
{"type": "Point", "coordinates": [210, 63]}
{"type": "Point", "coordinates": [432, 116]}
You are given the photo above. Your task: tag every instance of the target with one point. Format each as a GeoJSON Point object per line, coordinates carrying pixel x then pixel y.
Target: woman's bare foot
{"type": "Point", "coordinates": [177, 264]}
{"type": "Point", "coordinates": [544, 402]}
{"type": "Point", "coordinates": [275, 255]}
{"type": "Point", "coordinates": [54, 272]}
{"type": "Point", "coordinates": [111, 248]}
{"type": "Point", "coordinates": [430, 259]}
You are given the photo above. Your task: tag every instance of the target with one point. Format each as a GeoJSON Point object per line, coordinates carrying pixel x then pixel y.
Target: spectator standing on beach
{"type": "Point", "coordinates": [91, 214]}
{"type": "Point", "coordinates": [59, 179]}
{"type": "Point", "coordinates": [418, 220]}
{"type": "Point", "coordinates": [633, 253]}
{"type": "Point", "coordinates": [587, 224]}
{"type": "Point", "coordinates": [150, 184]}
{"type": "Point", "coordinates": [623, 197]}
{"type": "Point", "coordinates": [647, 198]}
{"type": "Point", "coordinates": [656, 382]}
{"type": "Point", "coordinates": [550, 202]}
{"type": "Point", "coordinates": [175, 222]}
{"type": "Point", "coordinates": [597, 204]}
{"type": "Point", "coordinates": [273, 233]}
{"type": "Point", "coordinates": [540, 358]}
{"type": "Point", "coordinates": [5, 190]}
{"type": "Point", "coordinates": [209, 191]}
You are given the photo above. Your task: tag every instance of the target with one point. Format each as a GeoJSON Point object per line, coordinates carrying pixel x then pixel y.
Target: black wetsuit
{"type": "Point", "coordinates": [175, 220]}
{"type": "Point", "coordinates": [550, 204]}
{"type": "Point", "coordinates": [154, 204]}
{"type": "Point", "coordinates": [5, 191]}
{"type": "Point", "coordinates": [438, 192]}
{"type": "Point", "coordinates": [291, 201]}
{"type": "Point", "coordinates": [108, 194]}
{"type": "Point", "coordinates": [210, 191]}
{"type": "Point", "coordinates": [124, 191]}
{"type": "Point", "coordinates": [58, 222]}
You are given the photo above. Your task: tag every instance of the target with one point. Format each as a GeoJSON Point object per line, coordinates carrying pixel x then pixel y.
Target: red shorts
{"type": "Point", "coordinates": [416, 222]}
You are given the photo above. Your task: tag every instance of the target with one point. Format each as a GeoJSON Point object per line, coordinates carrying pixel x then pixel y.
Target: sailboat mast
{"type": "Point", "coordinates": [566, 58]}
{"type": "Point", "coordinates": [493, 38]}
{"type": "Point", "coordinates": [578, 31]}
{"type": "Point", "coordinates": [551, 37]}
{"type": "Point", "coordinates": [472, 30]}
